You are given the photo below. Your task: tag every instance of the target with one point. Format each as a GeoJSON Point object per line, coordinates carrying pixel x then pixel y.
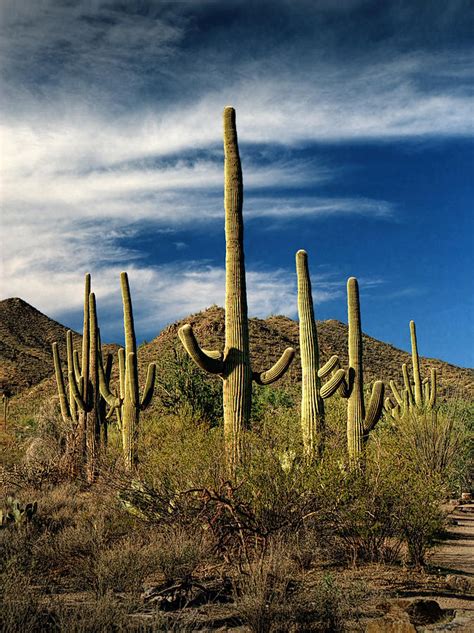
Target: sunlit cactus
{"type": "Point", "coordinates": [82, 408]}
{"type": "Point", "coordinates": [419, 396]}
{"type": "Point", "coordinates": [360, 422]}
{"type": "Point", "coordinates": [128, 403]}
{"type": "Point", "coordinates": [312, 393]}
{"type": "Point", "coordinates": [233, 364]}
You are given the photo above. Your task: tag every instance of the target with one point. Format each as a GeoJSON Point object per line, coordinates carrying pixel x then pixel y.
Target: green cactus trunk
{"type": "Point", "coordinates": [93, 397]}
{"type": "Point", "coordinates": [359, 421]}
{"type": "Point", "coordinates": [128, 404]}
{"type": "Point", "coordinates": [237, 388]}
{"type": "Point", "coordinates": [355, 404]}
{"type": "Point", "coordinates": [313, 393]}
{"type": "Point", "coordinates": [233, 365]}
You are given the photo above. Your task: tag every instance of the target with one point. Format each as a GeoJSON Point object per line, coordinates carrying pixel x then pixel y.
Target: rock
{"type": "Point", "coordinates": [395, 621]}
{"type": "Point", "coordinates": [422, 611]}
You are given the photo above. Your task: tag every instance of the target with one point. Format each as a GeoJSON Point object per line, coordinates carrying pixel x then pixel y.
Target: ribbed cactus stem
{"type": "Point", "coordinates": [416, 366]}
{"type": "Point", "coordinates": [93, 419]}
{"type": "Point", "coordinates": [355, 407]}
{"type": "Point", "coordinates": [234, 364]}
{"type": "Point", "coordinates": [63, 403]}
{"type": "Point", "coordinates": [359, 421]}
{"type": "Point", "coordinates": [237, 390]}
{"type": "Point", "coordinates": [129, 412]}
{"type": "Point", "coordinates": [312, 404]}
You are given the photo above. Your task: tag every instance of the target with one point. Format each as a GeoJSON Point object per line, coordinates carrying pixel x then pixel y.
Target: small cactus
{"type": "Point", "coordinates": [313, 393]}
{"type": "Point", "coordinates": [360, 422]}
{"type": "Point", "coordinates": [233, 364]}
{"type": "Point", "coordinates": [418, 396]}
{"type": "Point", "coordinates": [17, 514]}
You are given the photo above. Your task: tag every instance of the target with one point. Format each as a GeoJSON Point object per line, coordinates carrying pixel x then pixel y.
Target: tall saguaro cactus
{"type": "Point", "coordinates": [419, 396]}
{"type": "Point", "coordinates": [313, 394]}
{"type": "Point", "coordinates": [128, 404]}
{"type": "Point", "coordinates": [83, 410]}
{"type": "Point", "coordinates": [360, 422]}
{"type": "Point", "coordinates": [233, 365]}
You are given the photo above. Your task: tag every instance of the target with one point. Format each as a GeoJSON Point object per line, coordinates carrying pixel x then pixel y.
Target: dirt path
{"type": "Point", "coordinates": [456, 553]}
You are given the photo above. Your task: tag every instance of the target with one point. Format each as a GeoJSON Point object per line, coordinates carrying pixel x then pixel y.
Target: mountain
{"type": "Point", "coordinates": [26, 364]}
{"type": "Point", "coordinates": [269, 337]}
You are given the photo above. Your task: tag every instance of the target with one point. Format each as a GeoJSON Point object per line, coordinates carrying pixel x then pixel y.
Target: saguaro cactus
{"type": "Point", "coordinates": [359, 421]}
{"type": "Point", "coordinates": [417, 396]}
{"type": "Point", "coordinates": [233, 364]}
{"type": "Point", "coordinates": [312, 393]}
{"type": "Point", "coordinates": [83, 409]}
{"type": "Point", "coordinates": [128, 403]}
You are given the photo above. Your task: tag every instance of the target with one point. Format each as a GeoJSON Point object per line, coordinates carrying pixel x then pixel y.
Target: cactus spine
{"type": "Point", "coordinates": [359, 421]}
{"type": "Point", "coordinates": [417, 397]}
{"type": "Point", "coordinates": [313, 394]}
{"type": "Point", "coordinates": [233, 365]}
{"type": "Point", "coordinates": [128, 404]}
{"type": "Point", "coordinates": [84, 407]}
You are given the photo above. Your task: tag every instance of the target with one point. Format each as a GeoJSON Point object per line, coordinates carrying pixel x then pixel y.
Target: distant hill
{"type": "Point", "coordinates": [26, 364]}
{"type": "Point", "coordinates": [26, 337]}
{"type": "Point", "coordinates": [269, 337]}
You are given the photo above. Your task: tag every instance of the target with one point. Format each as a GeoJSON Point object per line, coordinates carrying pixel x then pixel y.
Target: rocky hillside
{"type": "Point", "coordinates": [269, 337]}
{"type": "Point", "coordinates": [26, 365]}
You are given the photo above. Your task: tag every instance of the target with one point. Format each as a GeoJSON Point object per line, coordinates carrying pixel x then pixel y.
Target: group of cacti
{"type": "Point", "coordinates": [84, 407]}
{"type": "Point", "coordinates": [89, 382]}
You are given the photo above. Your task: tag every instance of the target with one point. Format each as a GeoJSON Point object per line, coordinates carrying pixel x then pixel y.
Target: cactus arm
{"type": "Point", "coordinates": [105, 392]}
{"type": "Point", "coordinates": [71, 367]}
{"type": "Point", "coordinates": [375, 408]}
{"type": "Point", "coordinates": [416, 366]}
{"type": "Point", "coordinates": [407, 383]}
{"type": "Point", "coordinates": [333, 384]}
{"type": "Point", "coordinates": [121, 360]}
{"type": "Point", "coordinates": [76, 364]}
{"type": "Point", "coordinates": [108, 367]}
{"type": "Point", "coordinates": [63, 403]}
{"type": "Point", "coordinates": [396, 394]}
{"type": "Point", "coordinates": [425, 386]}
{"type": "Point", "coordinates": [149, 386]}
{"type": "Point", "coordinates": [213, 353]}
{"type": "Point", "coordinates": [131, 383]}
{"type": "Point", "coordinates": [327, 368]}
{"type": "Point", "coordinates": [277, 370]}
{"type": "Point", "coordinates": [76, 390]}
{"type": "Point", "coordinates": [344, 388]}
{"type": "Point", "coordinates": [202, 359]}
{"type": "Point", "coordinates": [432, 400]}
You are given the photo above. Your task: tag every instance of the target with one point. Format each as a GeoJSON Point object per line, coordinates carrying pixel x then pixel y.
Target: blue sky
{"type": "Point", "coordinates": [355, 123]}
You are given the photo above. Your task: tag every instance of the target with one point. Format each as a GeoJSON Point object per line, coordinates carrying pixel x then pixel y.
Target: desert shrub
{"type": "Point", "coordinates": [180, 552]}
{"type": "Point", "coordinates": [263, 593]}
{"type": "Point", "coordinates": [20, 608]}
{"type": "Point", "coordinates": [179, 453]}
{"type": "Point", "coordinates": [184, 389]}
{"type": "Point", "coordinates": [270, 595]}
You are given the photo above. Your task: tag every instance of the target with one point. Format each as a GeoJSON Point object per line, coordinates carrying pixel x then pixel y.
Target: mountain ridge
{"type": "Point", "coordinates": [26, 335]}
